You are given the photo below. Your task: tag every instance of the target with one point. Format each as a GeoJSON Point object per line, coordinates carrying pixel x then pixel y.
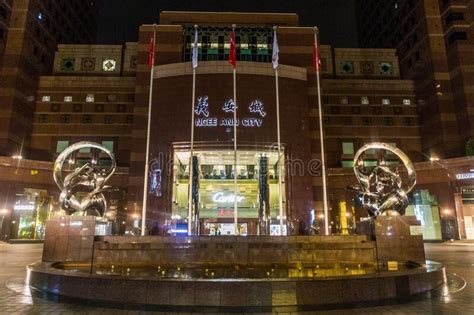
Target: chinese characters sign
{"type": "Point", "coordinates": [203, 118]}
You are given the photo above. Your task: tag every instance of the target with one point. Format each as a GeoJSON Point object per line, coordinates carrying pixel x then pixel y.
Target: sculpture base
{"type": "Point", "coordinates": [71, 238]}
{"type": "Point", "coordinates": [397, 238]}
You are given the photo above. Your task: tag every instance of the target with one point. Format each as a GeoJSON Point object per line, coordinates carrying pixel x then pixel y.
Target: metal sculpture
{"type": "Point", "coordinates": [82, 190]}
{"type": "Point", "coordinates": [381, 189]}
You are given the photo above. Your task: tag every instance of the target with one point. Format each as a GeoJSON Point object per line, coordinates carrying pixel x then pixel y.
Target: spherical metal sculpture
{"type": "Point", "coordinates": [82, 189]}
{"type": "Point", "coordinates": [380, 188]}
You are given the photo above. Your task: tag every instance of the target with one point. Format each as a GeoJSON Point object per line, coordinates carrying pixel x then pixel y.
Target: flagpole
{"type": "Point", "coordinates": [236, 213]}
{"type": "Point", "coordinates": [191, 166]}
{"type": "Point", "coordinates": [280, 173]}
{"type": "Point", "coordinates": [321, 135]}
{"type": "Point", "coordinates": [147, 152]}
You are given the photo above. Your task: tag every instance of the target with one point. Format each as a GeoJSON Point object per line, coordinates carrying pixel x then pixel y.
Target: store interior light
{"type": "Point", "coordinates": [4, 211]}
{"type": "Point", "coordinates": [434, 159]}
{"type": "Point", "coordinates": [17, 157]}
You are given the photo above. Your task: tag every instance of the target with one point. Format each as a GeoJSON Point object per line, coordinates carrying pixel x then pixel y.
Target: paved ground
{"type": "Point", "coordinates": [456, 298]}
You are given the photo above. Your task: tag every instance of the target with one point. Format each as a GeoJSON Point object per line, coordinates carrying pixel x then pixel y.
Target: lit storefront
{"type": "Point", "coordinates": [216, 189]}
{"type": "Point", "coordinates": [31, 210]}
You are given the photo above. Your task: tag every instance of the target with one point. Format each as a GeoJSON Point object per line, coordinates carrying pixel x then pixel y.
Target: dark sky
{"type": "Point", "coordinates": [120, 19]}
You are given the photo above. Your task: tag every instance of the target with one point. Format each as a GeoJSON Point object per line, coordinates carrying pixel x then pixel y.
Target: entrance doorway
{"type": "Point", "coordinates": [216, 193]}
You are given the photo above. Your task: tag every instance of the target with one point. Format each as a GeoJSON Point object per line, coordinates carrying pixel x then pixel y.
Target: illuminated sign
{"type": "Point", "coordinates": [228, 122]}
{"type": "Point", "coordinates": [223, 198]}
{"type": "Point", "coordinates": [24, 207]}
{"type": "Point", "coordinates": [465, 176]}
{"type": "Point", "coordinates": [202, 109]}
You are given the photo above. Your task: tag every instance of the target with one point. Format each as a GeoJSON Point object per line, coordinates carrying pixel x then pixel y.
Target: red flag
{"type": "Point", "coordinates": [152, 52]}
{"type": "Point", "coordinates": [316, 57]}
{"type": "Point", "coordinates": [232, 53]}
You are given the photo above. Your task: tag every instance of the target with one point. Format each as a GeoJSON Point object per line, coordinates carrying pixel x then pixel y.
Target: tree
{"type": "Point", "coordinates": [470, 147]}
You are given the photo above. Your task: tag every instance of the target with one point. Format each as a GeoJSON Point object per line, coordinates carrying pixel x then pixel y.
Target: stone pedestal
{"type": "Point", "coordinates": [69, 238]}
{"type": "Point", "coordinates": [398, 238]}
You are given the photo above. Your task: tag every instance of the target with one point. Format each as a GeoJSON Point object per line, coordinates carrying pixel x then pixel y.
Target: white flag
{"type": "Point", "coordinates": [195, 49]}
{"type": "Point", "coordinates": [276, 51]}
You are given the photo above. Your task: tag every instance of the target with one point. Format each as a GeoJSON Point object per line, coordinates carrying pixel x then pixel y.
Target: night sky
{"type": "Point", "coordinates": [120, 19]}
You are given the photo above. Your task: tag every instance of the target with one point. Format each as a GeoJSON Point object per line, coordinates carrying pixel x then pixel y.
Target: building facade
{"type": "Point", "coordinates": [433, 39]}
{"type": "Point", "coordinates": [101, 93]}
{"type": "Point", "coordinates": [29, 34]}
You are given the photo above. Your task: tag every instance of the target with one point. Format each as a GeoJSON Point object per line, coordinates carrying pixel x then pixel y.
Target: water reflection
{"type": "Point", "coordinates": [226, 272]}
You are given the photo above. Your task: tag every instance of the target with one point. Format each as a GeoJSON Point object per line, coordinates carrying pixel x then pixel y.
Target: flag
{"type": "Point", "coordinates": [195, 49]}
{"type": "Point", "coordinates": [232, 53]}
{"type": "Point", "coordinates": [276, 51]}
{"type": "Point", "coordinates": [151, 53]}
{"type": "Point", "coordinates": [316, 57]}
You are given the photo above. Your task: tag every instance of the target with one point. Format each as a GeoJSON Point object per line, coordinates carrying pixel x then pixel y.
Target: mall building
{"type": "Point", "coordinates": [101, 93]}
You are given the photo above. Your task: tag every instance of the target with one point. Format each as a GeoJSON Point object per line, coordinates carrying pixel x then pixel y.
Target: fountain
{"type": "Point", "coordinates": [236, 272]}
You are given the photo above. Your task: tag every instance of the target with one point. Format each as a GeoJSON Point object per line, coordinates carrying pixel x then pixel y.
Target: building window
{"type": "Point", "coordinates": [355, 110]}
{"type": "Point", "coordinates": [335, 110]}
{"type": "Point", "coordinates": [452, 17]}
{"type": "Point", "coordinates": [385, 101]}
{"type": "Point", "coordinates": [347, 164]}
{"type": "Point", "coordinates": [109, 65]}
{"type": "Point", "coordinates": [347, 67]}
{"type": "Point", "coordinates": [90, 98]}
{"type": "Point", "coordinates": [348, 148]}
{"type": "Point", "coordinates": [408, 121]}
{"type": "Point", "coordinates": [377, 111]}
{"type": "Point", "coordinates": [43, 118]}
{"type": "Point", "coordinates": [344, 100]}
{"type": "Point", "coordinates": [388, 121]}
{"type": "Point", "coordinates": [55, 107]}
{"type": "Point", "coordinates": [99, 108]}
{"type": "Point", "coordinates": [133, 62]}
{"type": "Point", "coordinates": [61, 145]}
{"type": "Point", "coordinates": [109, 145]}
{"type": "Point", "coordinates": [397, 110]}
{"type": "Point", "coordinates": [88, 64]}
{"type": "Point", "coordinates": [131, 98]}
{"type": "Point", "coordinates": [108, 119]}
{"type": "Point", "coordinates": [77, 108]}
{"type": "Point", "coordinates": [129, 119]}
{"type": "Point", "coordinates": [65, 119]}
{"type": "Point", "coordinates": [68, 64]}
{"type": "Point", "coordinates": [68, 99]}
{"type": "Point", "coordinates": [46, 99]}
{"type": "Point", "coordinates": [367, 67]}
{"type": "Point", "coordinates": [366, 121]}
{"type": "Point", "coordinates": [121, 108]}
{"type": "Point", "coordinates": [3, 13]}
{"type": "Point", "coordinates": [364, 100]}
{"type": "Point", "coordinates": [327, 120]}
{"type": "Point", "coordinates": [253, 43]}
{"type": "Point", "coordinates": [406, 101]}
{"type": "Point", "coordinates": [457, 36]}
{"type": "Point", "coordinates": [347, 121]}
{"type": "Point", "coordinates": [111, 97]}
{"type": "Point", "coordinates": [87, 119]}
{"type": "Point", "coordinates": [385, 68]}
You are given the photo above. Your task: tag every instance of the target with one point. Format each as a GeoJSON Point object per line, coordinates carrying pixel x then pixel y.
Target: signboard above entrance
{"type": "Point", "coordinates": [256, 107]}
